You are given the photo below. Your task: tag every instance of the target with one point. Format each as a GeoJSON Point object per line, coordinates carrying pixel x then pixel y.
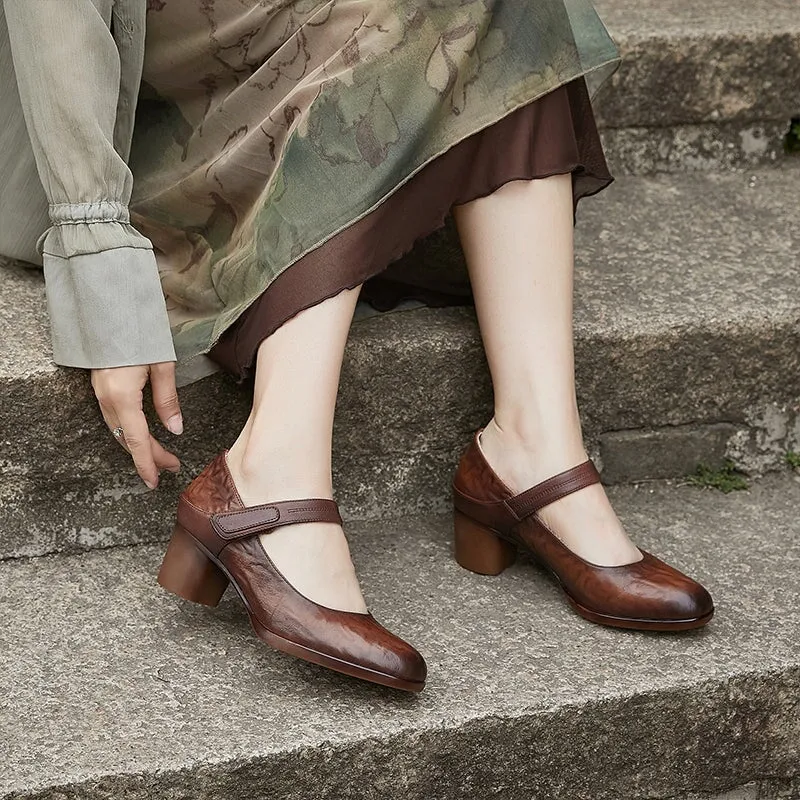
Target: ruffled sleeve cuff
{"type": "Point", "coordinates": [84, 228]}
{"type": "Point", "coordinates": [104, 293]}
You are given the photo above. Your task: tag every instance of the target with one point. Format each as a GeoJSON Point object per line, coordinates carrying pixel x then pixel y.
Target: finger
{"type": "Point", "coordinates": [165, 396]}
{"type": "Point", "coordinates": [108, 415]}
{"type": "Point", "coordinates": [137, 437]}
{"type": "Point", "coordinates": [110, 418]}
{"type": "Point", "coordinates": [163, 458]}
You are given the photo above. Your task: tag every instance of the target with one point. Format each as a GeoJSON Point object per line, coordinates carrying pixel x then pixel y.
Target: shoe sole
{"type": "Point", "coordinates": [638, 624]}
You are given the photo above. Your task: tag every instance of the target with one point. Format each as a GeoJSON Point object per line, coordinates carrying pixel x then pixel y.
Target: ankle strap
{"type": "Point", "coordinates": [561, 485]}
{"type": "Point", "coordinates": [231, 525]}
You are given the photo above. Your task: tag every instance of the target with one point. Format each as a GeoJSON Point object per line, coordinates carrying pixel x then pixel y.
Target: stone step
{"type": "Point", "coordinates": [688, 350]}
{"type": "Point", "coordinates": [705, 84]}
{"type": "Point", "coordinates": [115, 689]}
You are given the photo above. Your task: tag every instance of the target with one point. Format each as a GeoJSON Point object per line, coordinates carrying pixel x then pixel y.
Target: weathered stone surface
{"type": "Point", "coordinates": [711, 61]}
{"type": "Point", "coordinates": [771, 433]}
{"type": "Point", "coordinates": [762, 790]}
{"type": "Point", "coordinates": [687, 312]}
{"type": "Point", "coordinates": [114, 689]}
{"type": "Point", "coordinates": [664, 453]}
{"type": "Point", "coordinates": [689, 148]}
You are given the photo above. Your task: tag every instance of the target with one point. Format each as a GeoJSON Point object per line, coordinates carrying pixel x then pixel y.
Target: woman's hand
{"type": "Point", "coordinates": [120, 391]}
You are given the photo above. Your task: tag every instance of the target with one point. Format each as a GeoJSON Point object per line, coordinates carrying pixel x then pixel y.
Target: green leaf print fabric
{"type": "Point", "coordinates": [265, 128]}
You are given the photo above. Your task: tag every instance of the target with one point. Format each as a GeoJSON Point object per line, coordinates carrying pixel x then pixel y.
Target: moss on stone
{"type": "Point", "coordinates": [793, 459]}
{"type": "Point", "coordinates": [728, 478]}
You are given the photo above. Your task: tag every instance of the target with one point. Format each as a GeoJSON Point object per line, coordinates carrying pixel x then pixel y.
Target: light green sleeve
{"type": "Point", "coordinates": [78, 85]}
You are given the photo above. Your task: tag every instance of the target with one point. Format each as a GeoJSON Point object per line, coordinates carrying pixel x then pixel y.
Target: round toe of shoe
{"type": "Point", "coordinates": [414, 670]}
{"type": "Point", "coordinates": [403, 663]}
{"type": "Point", "coordinates": [679, 604]}
{"type": "Point", "coordinates": [389, 655]}
{"type": "Point", "coordinates": [690, 602]}
{"type": "Point", "coordinates": [649, 595]}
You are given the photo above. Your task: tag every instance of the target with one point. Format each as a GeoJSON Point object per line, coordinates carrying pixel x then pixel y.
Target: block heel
{"type": "Point", "coordinates": [188, 572]}
{"type": "Point", "coordinates": [479, 549]}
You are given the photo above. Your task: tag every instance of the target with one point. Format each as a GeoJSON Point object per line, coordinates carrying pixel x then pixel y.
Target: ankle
{"type": "Point", "coordinates": [536, 440]}
{"type": "Point", "coordinates": [522, 458]}
{"type": "Point", "coordinates": [530, 428]}
{"type": "Point", "coordinates": [262, 474]}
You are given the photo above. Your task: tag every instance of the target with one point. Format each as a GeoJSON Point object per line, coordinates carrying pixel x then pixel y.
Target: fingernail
{"type": "Point", "coordinates": [150, 485]}
{"type": "Point", "coordinates": [175, 424]}
{"type": "Point", "coordinates": [175, 470]}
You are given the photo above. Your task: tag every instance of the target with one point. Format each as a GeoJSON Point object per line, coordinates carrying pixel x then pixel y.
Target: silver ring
{"type": "Point", "coordinates": [118, 434]}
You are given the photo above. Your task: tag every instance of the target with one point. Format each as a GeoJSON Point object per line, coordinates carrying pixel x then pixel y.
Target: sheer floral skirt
{"type": "Point", "coordinates": [286, 150]}
{"type": "Point", "coordinates": [555, 135]}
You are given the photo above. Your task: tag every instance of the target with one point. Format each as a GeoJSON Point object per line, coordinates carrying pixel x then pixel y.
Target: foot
{"type": "Point", "coordinates": [314, 558]}
{"type": "Point", "coordinates": [584, 521]}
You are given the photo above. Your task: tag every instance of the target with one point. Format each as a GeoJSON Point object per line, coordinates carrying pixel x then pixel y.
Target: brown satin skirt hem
{"type": "Point", "coordinates": [555, 135]}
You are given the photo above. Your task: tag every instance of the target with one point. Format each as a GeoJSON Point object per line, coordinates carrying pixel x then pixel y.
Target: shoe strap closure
{"type": "Point", "coordinates": [547, 492]}
{"type": "Point", "coordinates": [250, 521]}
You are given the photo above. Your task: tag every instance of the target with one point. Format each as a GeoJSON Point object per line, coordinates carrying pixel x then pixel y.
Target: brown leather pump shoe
{"type": "Point", "coordinates": [216, 542]}
{"type": "Point", "coordinates": [491, 523]}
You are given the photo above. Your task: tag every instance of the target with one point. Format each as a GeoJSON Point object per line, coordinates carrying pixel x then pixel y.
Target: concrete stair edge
{"type": "Point", "coordinates": [674, 54]}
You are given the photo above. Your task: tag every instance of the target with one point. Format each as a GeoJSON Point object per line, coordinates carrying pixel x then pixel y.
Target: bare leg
{"type": "Point", "coordinates": [518, 244]}
{"type": "Point", "coordinates": [284, 450]}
